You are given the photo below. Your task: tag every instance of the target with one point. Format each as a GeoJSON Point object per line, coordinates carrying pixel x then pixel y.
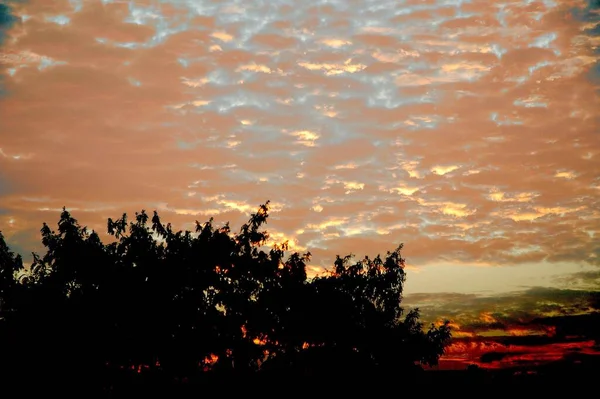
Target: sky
{"type": "Point", "coordinates": [467, 130]}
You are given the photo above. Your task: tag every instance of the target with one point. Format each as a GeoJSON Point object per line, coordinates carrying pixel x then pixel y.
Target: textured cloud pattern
{"type": "Point", "coordinates": [466, 129]}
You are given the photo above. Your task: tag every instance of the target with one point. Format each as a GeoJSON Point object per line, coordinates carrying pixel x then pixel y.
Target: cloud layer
{"type": "Point", "coordinates": [529, 328]}
{"type": "Point", "coordinates": [466, 129]}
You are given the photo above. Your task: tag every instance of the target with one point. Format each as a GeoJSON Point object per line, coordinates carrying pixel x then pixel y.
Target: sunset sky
{"type": "Point", "coordinates": [467, 130]}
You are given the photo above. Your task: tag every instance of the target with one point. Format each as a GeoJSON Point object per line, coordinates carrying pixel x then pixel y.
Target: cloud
{"type": "Point", "coordinates": [464, 130]}
{"type": "Point", "coordinates": [586, 280]}
{"type": "Point", "coordinates": [526, 328]}
{"type": "Point", "coordinates": [530, 354]}
{"type": "Point", "coordinates": [555, 312]}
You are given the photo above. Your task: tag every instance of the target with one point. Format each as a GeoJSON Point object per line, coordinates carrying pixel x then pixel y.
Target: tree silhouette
{"type": "Point", "coordinates": [184, 306]}
{"type": "Point", "coordinates": [10, 265]}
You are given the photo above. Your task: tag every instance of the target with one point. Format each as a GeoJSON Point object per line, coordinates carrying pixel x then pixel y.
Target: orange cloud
{"type": "Point", "coordinates": [494, 355]}
{"type": "Point", "coordinates": [472, 143]}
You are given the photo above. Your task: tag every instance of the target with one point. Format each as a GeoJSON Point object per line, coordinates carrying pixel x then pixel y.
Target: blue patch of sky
{"type": "Point", "coordinates": [544, 40]}
{"type": "Point", "coordinates": [516, 251]}
{"type": "Point", "coordinates": [530, 104]}
{"type": "Point", "coordinates": [129, 45]}
{"type": "Point", "coordinates": [431, 96]}
{"type": "Point", "coordinates": [185, 62]}
{"type": "Point", "coordinates": [141, 15]}
{"type": "Point", "coordinates": [246, 32]}
{"type": "Point", "coordinates": [151, 16]}
{"type": "Point", "coordinates": [379, 6]}
{"type": "Point", "coordinates": [497, 234]}
{"type": "Point", "coordinates": [418, 66]}
{"type": "Point", "coordinates": [384, 97]}
{"type": "Point", "coordinates": [59, 19]}
{"type": "Point", "coordinates": [200, 7]}
{"type": "Point", "coordinates": [47, 62]}
{"type": "Point", "coordinates": [187, 145]}
{"type": "Point", "coordinates": [498, 50]}
{"type": "Point", "coordinates": [505, 121]}
{"type": "Point", "coordinates": [249, 76]}
{"type": "Point", "coordinates": [537, 66]}
{"type": "Point", "coordinates": [221, 77]}
{"type": "Point", "coordinates": [459, 15]}
{"type": "Point", "coordinates": [337, 133]}
{"type": "Point", "coordinates": [385, 93]}
{"type": "Point", "coordinates": [163, 31]}
{"type": "Point", "coordinates": [304, 97]}
{"type": "Point", "coordinates": [520, 80]}
{"type": "Point", "coordinates": [399, 9]}
{"type": "Point", "coordinates": [276, 83]}
{"type": "Point", "coordinates": [456, 3]}
{"type": "Point", "coordinates": [384, 100]}
{"type": "Point", "coordinates": [427, 222]}
{"type": "Point", "coordinates": [134, 82]}
{"type": "Point", "coordinates": [379, 15]}
{"type": "Point", "coordinates": [501, 14]}
{"type": "Point", "coordinates": [226, 103]}
{"type": "Point", "coordinates": [76, 4]}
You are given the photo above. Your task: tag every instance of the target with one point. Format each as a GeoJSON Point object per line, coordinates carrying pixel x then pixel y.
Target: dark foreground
{"type": "Point", "coordinates": [574, 378]}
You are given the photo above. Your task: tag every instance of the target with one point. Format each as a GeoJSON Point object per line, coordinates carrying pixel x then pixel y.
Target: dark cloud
{"type": "Point", "coordinates": [585, 326]}
{"type": "Point", "coordinates": [495, 356]}
{"type": "Point", "coordinates": [7, 19]}
{"type": "Point", "coordinates": [574, 342]}
{"type": "Point", "coordinates": [585, 279]}
{"type": "Point", "coordinates": [536, 310]}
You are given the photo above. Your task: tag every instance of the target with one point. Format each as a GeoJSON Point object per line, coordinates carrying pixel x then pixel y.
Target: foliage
{"type": "Point", "coordinates": [186, 303]}
{"type": "Point", "coordinates": [10, 265]}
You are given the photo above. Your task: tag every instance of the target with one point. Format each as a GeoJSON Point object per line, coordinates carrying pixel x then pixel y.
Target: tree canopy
{"type": "Point", "coordinates": [187, 304]}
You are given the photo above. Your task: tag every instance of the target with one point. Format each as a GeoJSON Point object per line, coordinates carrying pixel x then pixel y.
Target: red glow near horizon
{"type": "Point", "coordinates": [463, 353]}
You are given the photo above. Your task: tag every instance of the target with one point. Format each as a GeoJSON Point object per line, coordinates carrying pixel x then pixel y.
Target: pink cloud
{"type": "Point", "coordinates": [467, 132]}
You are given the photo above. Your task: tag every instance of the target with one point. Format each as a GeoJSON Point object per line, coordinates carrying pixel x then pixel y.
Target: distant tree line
{"type": "Point", "coordinates": [186, 305]}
